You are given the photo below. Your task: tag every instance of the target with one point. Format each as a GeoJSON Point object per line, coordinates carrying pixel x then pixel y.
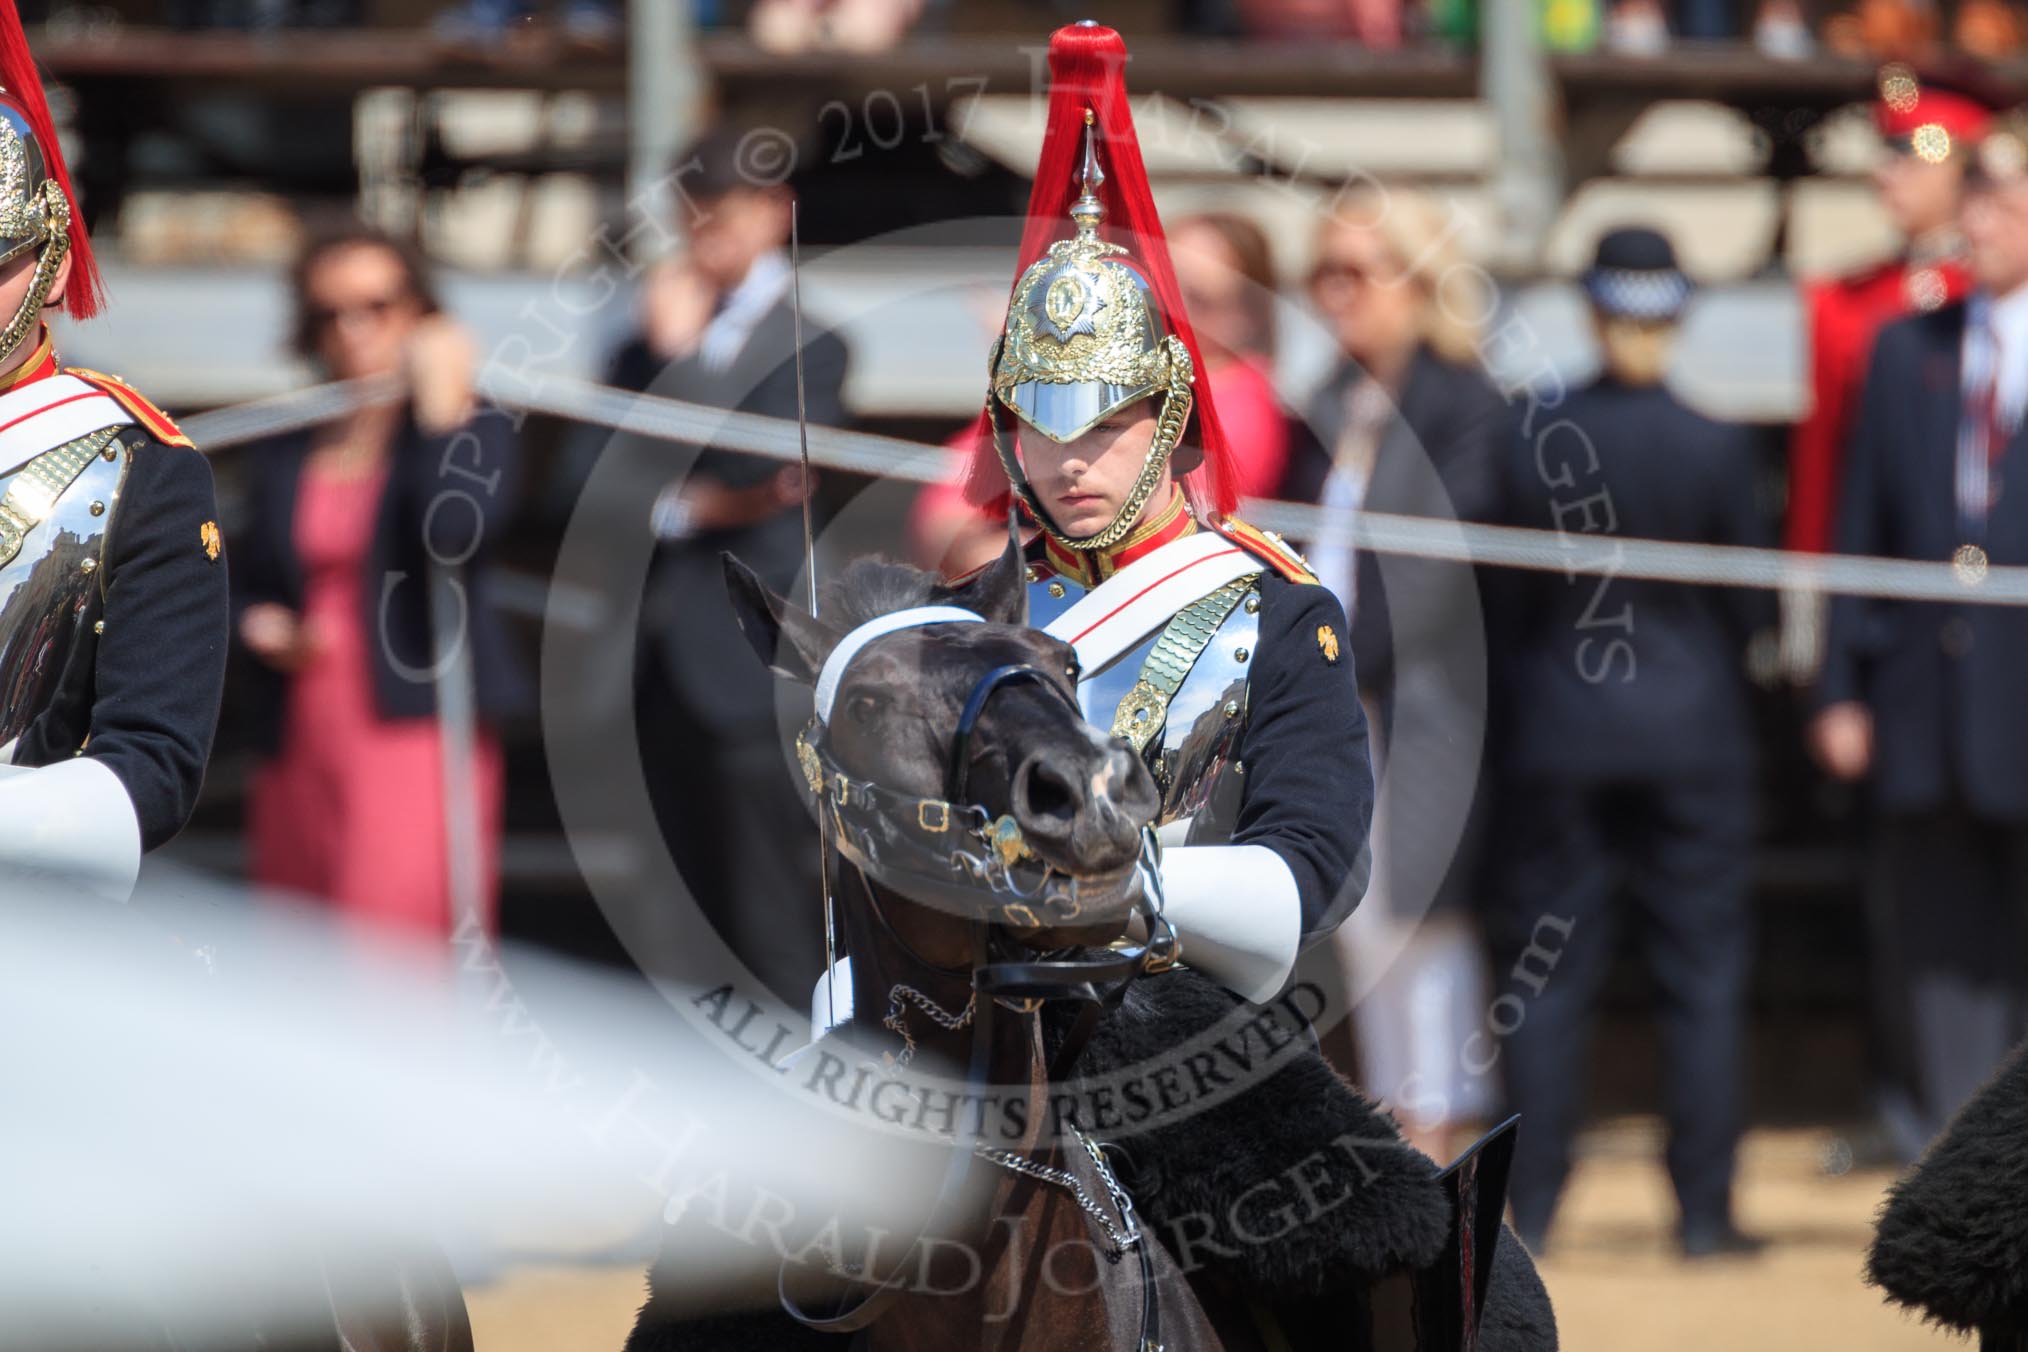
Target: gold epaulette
{"type": "Point", "coordinates": [1269, 549]}
{"type": "Point", "coordinates": [152, 419]}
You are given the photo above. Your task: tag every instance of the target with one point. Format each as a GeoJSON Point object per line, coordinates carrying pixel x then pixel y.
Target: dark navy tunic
{"type": "Point", "coordinates": [141, 693]}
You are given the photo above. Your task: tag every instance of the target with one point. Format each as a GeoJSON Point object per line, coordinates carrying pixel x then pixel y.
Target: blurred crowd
{"type": "Point", "coordinates": [1878, 29]}
{"type": "Point", "coordinates": [1616, 796]}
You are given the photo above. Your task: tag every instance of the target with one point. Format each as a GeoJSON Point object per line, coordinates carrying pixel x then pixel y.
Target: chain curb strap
{"type": "Point", "coordinates": [1144, 709]}
{"type": "Point", "coordinates": [34, 491]}
{"type": "Point", "coordinates": [896, 1021]}
{"type": "Point", "coordinates": [1121, 1237]}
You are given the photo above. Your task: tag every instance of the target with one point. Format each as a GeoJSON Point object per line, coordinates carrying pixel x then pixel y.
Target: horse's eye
{"type": "Point", "coordinates": [862, 709]}
{"type": "Point", "coordinates": [1073, 670]}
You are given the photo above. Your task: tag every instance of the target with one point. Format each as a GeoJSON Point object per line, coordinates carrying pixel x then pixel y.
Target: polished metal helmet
{"type": "Point", "coordinates": [1085, 336]}
{"type": "Point", "coordinates": [34, 215]}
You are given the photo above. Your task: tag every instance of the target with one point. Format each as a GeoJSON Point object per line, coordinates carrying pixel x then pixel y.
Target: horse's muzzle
{"type": "Point", "coordinates": [1084, 812]}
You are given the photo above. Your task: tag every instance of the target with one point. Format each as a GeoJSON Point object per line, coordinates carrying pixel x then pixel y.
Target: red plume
{"type": "Point", "coordinates": [1085, 70]}
{"type": "Point", "coordinates": [85, 293]}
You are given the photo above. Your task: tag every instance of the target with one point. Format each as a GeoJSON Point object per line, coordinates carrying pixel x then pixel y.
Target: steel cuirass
{"type": "Point", "coordinates": [1203, 655]}
{"type": "Point", "coordinates": [57, 510]}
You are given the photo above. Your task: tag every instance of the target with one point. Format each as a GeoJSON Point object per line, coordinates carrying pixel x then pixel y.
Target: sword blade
{"type": "Point", "coordinates": [810, 573]}
{"type": "Point", "coordinates": [802, 410]}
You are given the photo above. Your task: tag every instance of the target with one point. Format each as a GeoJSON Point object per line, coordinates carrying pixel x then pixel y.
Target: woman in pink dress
{"type": "Point", "coordinates": [1226, 272]}
{"type": "Point", "coordinates": [346, 523]}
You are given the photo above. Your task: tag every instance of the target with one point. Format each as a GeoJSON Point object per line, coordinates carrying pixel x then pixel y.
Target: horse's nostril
{"type": "Point", "coordinates": [1045, 793]}
{"type": "Point", "coordinates": [1133, 786]}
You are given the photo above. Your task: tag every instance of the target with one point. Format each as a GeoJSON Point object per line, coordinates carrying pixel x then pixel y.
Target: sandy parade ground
{"type": "Point", "coordinates": [1611, 1265]}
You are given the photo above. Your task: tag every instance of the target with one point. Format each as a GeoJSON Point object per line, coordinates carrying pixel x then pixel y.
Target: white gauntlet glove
{"type": "Point", "coordinates": [1237, 911]}
{"type": "Point", "coordinates": [70, 823]}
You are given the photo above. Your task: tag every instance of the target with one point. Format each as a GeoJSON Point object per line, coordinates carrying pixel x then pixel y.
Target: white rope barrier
{"type": "Point", "coordinates": [280, 413]}
{"type": "Point", "coordinates": [1385, 533]}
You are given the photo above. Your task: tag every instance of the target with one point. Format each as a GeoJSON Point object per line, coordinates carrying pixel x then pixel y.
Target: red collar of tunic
{"type": "Point", "coordinates": [1089, 567]}
{"type": "Point", "coordinates": [41, 363]}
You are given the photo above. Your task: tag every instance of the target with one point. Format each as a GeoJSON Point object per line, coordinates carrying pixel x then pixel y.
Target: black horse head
{"type": "Point", "coordinates": [1079, 797]}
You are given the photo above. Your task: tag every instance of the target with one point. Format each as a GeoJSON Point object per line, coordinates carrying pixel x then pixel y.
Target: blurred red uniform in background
{"type": "Point", "coordinates": [1928, 122]}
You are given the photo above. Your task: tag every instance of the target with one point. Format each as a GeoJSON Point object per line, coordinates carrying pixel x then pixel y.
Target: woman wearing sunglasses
{"type": "Point", "coordinates": [1407, 423]}
{"type": "Point", "coordinates": [345, 525]}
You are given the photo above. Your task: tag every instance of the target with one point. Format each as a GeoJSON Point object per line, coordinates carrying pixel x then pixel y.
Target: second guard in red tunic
{"type": "Point", "coordinates": [1927, 120]}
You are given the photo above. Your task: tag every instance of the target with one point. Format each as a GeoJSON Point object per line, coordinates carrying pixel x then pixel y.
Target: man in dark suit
{"type": "Point", "coordinates": [1925, 699]}
{"type": "Point", "coordinates": [718, 330]}
{"type": "Point", "coordinates": [1629, 759]}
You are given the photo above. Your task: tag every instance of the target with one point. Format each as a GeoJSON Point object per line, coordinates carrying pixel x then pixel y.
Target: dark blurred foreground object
{"type": "Point", "coordinates": [1952, 1242]}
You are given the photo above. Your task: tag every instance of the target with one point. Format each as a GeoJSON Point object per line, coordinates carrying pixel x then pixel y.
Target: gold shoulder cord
{"type": "Point", "coordinates": [32, 494]}
{"type": "Point", "coordinates": [1144, 709]}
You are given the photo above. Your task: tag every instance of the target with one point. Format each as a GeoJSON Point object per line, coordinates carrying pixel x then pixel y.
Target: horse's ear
{"type": "Point", "coordinates": [999, 591]}
{"type": "Point", "coordinates": [792, 642]}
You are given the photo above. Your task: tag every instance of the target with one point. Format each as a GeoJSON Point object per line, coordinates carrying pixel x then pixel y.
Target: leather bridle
{"type": "Point", "coordinates": [951, 853]}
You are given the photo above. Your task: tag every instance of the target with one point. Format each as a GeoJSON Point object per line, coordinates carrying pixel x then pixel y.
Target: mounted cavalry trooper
{"type": "Point", "coordinates": [1204, 643]}
{"type": "Point", "coordinates": [1209, 648]}
{"type": "Point", "coordinates": [113, 603]}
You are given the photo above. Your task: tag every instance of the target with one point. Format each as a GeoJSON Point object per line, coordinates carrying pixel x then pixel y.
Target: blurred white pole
{"type": "Point", "coordinates": [664, 92]}
{"type": "Point", "coordinates": [1527, 179]}
{"type": "Point", "coordinates": [457, 732]}
{"type": "Point", "coordinates": [193, 1128]}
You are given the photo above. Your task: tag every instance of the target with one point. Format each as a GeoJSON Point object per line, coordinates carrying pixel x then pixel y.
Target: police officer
{"type": "Point", "coordinates": [1629, 760]}
{"type": "Point", "coordinates": [113, 611]}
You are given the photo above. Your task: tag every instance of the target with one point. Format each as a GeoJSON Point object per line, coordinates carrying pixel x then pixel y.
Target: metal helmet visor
{"type": "Point", "coordinates": [1066, 412]}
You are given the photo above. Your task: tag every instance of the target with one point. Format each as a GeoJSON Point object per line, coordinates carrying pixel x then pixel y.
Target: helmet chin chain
{"type": "Point", "coordinates": [28, 318]}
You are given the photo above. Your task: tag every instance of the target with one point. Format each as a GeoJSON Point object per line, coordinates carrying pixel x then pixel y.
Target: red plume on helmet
{"type": "Point", "coordinates": [1086, 62]}
{"type": "Point", "coordinates": [85, 293]}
